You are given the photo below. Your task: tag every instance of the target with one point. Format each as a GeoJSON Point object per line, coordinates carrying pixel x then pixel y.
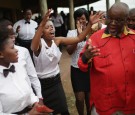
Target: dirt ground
{"type": "Point", "coordinates": [66, 81]}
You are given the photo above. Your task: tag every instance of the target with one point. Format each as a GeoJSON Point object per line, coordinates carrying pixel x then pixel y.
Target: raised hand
{"type": "Point", "coordinates": [79, 27]}
{"type": "Point", "coordinates": [45, 18]}
{"type": "Point", "coordinates": [91, 51]}
{"type": "Point", "coordinates": [94, 18]}
{"type": "Point", "coordinates": [18, 29]}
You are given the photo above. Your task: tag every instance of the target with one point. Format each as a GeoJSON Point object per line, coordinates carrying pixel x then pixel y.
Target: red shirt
{"type": "Point", "coordinates": [112, 73]}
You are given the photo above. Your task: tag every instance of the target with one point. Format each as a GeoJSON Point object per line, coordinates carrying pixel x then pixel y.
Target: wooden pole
{"type": "Point", "coordinates": [43, 7]}
{"type": "Point", "coordinates": [71, 12]}
{"type": "Point", "coordinates": [107, 5]}
{"type": "Point", "coordinates": [117, 1]}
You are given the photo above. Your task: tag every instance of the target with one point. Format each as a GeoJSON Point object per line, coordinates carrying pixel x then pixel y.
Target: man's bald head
{"type": "Point", "coordinates": [120, 8]}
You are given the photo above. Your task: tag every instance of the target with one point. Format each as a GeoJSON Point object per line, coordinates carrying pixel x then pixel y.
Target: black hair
{"type": "Point", "coordinates": [79, 12]}
{"type": "Point", "coordinates": [4, 32]}
{"type": "Point", "coordinates": [91, 8]}
{"type": "Point", "coordinates": [25, 10]}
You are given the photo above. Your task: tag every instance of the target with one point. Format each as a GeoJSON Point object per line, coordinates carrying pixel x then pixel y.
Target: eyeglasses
{"type": "Point", "coordinates": [115, 20]}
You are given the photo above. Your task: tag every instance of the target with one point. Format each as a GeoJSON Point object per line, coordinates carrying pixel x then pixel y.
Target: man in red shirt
{"type": "Point", "coordinates": [111, 56]}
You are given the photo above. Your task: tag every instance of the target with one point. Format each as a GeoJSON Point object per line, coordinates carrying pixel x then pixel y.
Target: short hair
{"type": "Point", "coordinates": [4, 32]}
{"type": "Point", "coordinates": [5, 22]}
{"type": "Point", "coordinates": [25, 10]}
{"type": "Point", "coordinates": [79, 12]}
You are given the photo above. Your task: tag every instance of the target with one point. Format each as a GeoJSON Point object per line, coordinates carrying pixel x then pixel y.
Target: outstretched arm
{"type": "Point", "coordinates": [36, 45]}
{"type": "Point", "coordinates": [71, 40]}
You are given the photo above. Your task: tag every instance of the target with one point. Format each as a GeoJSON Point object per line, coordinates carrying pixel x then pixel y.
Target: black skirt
{"type": "Point", "coordinates": [80, 80]}
{"type": "Point", "coordinates": [53, 94]}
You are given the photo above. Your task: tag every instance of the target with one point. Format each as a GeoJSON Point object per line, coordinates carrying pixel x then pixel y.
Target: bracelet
{"type": "Point", "coordinates": [84, 59]}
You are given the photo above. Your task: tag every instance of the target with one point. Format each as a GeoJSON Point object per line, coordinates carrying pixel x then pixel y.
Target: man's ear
{"type": "Point", "coordinates": [1, 55]}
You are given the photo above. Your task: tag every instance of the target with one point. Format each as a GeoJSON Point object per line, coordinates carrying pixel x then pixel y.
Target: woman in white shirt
{"type": "Point", "coordinates": [47, 56]}
{"type": "Point", "coordinates": [16, 95]}
{"type": "Point", "coordinates": [79, 79]}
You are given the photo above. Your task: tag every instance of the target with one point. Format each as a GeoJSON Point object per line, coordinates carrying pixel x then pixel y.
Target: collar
{"type": "Point", "coordinates": [125, 32]}
{"type": "Point", "coordinates": [24, 20]}
{"type": "Point", "coordinates": [3, 67]}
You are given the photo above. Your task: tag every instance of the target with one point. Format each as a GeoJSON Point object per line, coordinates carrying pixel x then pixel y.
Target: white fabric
{"type": "Point", "coordinates": [15, 92]}
{"type": "Point", "coordinates": [103, 26]}
{"type": "Point", "coordinates": [46, 63]}
{"type": "Point", "coordinates": [26, 61]}
{"type": "Point", "coordinates": [27, 31]}
{"type": "Point", "coordinates": [80, 45]}
{"type": "Point", "coordinates": [93, 111]}
{"type": "Point", "coordinates": [57, 21]}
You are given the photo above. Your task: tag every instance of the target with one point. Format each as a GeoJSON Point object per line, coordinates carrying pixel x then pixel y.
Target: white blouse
{"type": "Point", "coordinates": [46, 63]}
{"type": "Point", "coordinates": [27, 31]}
{"type": "Point", "coordinates": [26, 61]}
{"type": "Point", "coordinates": [15, 92]}
{"type": "Point", "coordinates": [80, 45]}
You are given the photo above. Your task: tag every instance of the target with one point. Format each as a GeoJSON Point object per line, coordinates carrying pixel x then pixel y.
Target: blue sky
{"type": "Point", "coordinates": [101, 5]}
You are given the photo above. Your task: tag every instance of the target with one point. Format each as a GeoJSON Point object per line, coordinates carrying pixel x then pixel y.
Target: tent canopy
{"type": "Point", "coordinates": [34, 4]}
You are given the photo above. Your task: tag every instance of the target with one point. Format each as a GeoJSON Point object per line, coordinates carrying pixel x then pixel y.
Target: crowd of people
{"type": "Point", "coordinates": [102, 49]}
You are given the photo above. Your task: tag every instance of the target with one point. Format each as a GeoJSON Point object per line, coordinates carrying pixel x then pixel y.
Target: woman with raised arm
{"type": "Point", "coordinates": [47, 56]}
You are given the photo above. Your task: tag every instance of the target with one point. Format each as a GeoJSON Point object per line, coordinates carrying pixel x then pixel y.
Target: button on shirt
{"type": "Point", "coordinates": [27, 31]}
{"type": "Point", "coordinates": [15, 92]}
{"type": "Point", "coordinates": [25, 60]}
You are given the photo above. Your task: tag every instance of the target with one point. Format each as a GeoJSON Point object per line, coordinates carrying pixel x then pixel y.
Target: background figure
{"type": "Point", "coordinates": [25, 30]}
{"type": "Point", "coordinates": [80, 80]}
{"type": "Point", "coordinates": [111, 53]}
{"type": "Point", "coordinates": [131, 19]}
{"type": "Point", "coordinates": [47, 56]}
{"type": "Point", "coordinates": [58, 22]}
{"type": "Point", "coordinates": [64, 25]}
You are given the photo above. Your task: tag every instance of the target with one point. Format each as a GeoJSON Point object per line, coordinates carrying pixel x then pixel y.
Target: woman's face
{"type": "Point", "coordinates": [9, 54]}
{"type": "Point", "coordinates": [83, 21]}
{"type": "Point", "coordinates": [49, 30]}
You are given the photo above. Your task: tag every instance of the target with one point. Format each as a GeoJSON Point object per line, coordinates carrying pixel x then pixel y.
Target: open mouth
{"type": "Point", "coordinates": [112, 29]}
{"type": "Point", "coordinates": [52, 34]}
